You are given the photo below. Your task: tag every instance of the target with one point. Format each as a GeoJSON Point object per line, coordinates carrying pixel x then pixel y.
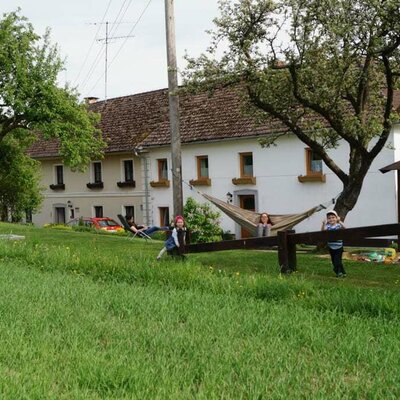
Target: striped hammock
{"type": "Point", "coordinates": [250, 219]}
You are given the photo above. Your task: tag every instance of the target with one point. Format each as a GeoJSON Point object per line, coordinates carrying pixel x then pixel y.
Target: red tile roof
{"type": "Point", "coordinates": [142, 119]}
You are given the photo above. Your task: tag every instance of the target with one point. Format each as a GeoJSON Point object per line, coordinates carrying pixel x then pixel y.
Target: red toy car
{"type": "Point", "coordinates": [105, 224]}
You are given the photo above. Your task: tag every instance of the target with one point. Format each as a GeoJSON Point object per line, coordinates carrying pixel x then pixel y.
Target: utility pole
{"type": "Point", "coordinates": [174, 109]}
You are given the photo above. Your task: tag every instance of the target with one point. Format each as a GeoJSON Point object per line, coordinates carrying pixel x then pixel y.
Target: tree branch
{"type": "Point", "coordinates": [387, 125]}
{"type": "Point", "coordinates": [299, 133]}
{"type": "Point", "coordinates": [335, 124]}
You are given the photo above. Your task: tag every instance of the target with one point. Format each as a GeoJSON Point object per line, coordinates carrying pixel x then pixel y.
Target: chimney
{"type": "Point", "coordinates": [90, 100]}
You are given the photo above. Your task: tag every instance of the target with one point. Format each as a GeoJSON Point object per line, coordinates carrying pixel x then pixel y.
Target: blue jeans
{"type": "Point", "coordinates": [152, 229]}
{"type": "Point", "coordinates": [336, 258]}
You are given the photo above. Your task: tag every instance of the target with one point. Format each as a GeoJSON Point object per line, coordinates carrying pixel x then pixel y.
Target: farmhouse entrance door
{"type": "Point", "coordinates": [59, 215]}
{"type": "Point", "coordinates": [246, 201]}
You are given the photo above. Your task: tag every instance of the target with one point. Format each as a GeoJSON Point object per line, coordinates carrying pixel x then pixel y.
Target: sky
{"type": "Point", "coordinates": [135, 65]}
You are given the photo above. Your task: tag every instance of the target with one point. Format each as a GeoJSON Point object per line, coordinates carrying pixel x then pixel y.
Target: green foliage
{"type": "Point", "coordinates": [32, 106]}
{"type": "Point", "coordinates": [101, 318]}
{"type": "Point", "coordinates": [61, 227]}
{"type": "Point", "coordinates": [19, 181]}
{"type": "Point", "coordinates": [31, 101]}
{"type": "Point", "coordinates": [202, 222]}
{"type": "Point", "coordinates": [326, 70]}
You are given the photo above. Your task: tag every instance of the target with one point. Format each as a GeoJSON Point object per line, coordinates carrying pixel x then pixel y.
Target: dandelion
{"type": "Point", "coordinates": [237, 273]}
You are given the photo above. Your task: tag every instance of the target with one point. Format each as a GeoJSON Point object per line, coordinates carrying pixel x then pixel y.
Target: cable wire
{"type": "Point", "coordinates": [119, 50]}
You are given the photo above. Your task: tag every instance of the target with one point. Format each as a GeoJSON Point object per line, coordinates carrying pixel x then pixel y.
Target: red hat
{"type": "Point", "coordinates": [179, 217]}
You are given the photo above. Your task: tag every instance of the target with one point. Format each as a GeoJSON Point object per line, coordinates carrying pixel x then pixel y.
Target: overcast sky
{"type": "Point", "coordinates": [136, 64]}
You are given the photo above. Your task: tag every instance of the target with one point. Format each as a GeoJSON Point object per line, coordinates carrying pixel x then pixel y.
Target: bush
{"type": "Point", "coordinates": [202, 222]}
{"type": "Point", "coordinates": [58, 226]}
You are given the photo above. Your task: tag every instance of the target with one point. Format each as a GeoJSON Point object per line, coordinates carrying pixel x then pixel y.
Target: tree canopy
{"type": "Point", "coordinates": [33, 106]}
{"type": "Point", "coordinates": [327, 69]}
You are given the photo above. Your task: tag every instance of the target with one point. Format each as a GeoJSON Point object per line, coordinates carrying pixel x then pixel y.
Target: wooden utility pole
{"type": "Point", "coordinates": [174, 109]}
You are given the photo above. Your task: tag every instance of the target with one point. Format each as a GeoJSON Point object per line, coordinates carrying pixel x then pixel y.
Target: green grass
{"type": "Point", "coordinates": [86, 316]}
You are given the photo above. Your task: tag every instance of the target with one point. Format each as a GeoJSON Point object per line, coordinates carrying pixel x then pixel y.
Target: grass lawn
{"type": "Point", "coordinates": [85, 316]}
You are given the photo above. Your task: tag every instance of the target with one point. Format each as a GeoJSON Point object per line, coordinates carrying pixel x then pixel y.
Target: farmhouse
{"type": "Point", "coordinates": [221, 156]}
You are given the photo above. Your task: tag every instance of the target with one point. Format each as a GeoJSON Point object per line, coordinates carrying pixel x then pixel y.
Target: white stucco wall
{"type": "Point", "coordinates": [278, 190]}
{"type": "Point", "coordinates": [82, 199]}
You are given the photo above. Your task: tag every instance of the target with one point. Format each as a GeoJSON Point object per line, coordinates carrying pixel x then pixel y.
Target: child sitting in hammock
{"type": "Point", "coordinates": [176, 242]}
{"type": "Point", "coordinates": [264, 226]}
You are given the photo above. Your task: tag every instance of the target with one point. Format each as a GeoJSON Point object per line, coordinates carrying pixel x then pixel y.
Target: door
{"type": "Point", "coordinates": [59, 217]}
{"type": "Point", "coordinates": [247, 201]}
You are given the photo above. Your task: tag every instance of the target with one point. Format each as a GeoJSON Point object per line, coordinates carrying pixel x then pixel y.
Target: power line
{"type": "Point", "coordinates": [102, 50]}
{"type": "Point", "coordinates": [122, 45]}
{"type": "Point", "coordinates": [106, 41]}
{"type": "Point", "coordinates": [93, 42]}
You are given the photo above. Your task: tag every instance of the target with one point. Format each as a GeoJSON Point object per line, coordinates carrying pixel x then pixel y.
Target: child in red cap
{"type": "Point", "coordinates": [177, 240]}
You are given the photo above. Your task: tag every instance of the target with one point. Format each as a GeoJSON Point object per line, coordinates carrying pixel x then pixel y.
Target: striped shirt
{"type": "Point", "coordinates": [337, 244]}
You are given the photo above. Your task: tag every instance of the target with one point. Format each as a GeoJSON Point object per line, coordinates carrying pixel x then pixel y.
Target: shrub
{"type": "Point", "coordinates": [58, 226]}
{"type": "Point", "coordinates": [202, 222]}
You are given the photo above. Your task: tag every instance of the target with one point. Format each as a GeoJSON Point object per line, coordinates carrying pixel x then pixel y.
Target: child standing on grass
{"type": "Point", "coordinates": [333, 223]}
{"type": "Point", "coordinates": [176, 242]}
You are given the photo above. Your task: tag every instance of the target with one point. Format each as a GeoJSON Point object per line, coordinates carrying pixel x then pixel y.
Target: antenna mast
{"type": "Point", "coordinates": [106, 41]}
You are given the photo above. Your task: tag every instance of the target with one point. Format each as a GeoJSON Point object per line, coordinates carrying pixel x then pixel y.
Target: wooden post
{"type": "Point", "coordinates": [291, 248]}
{"type": "Point", "coordinates": [283, 256]}
{"type": "Point", "coordinates": [174, 110]}
{"type": "Point", "coordinates": [398, 206]}
{"type": "Point", "coordinates": [286, 252]}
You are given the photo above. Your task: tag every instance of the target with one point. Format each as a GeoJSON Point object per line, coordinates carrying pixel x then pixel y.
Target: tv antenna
{"type": "Point", "coordinates": [106, 41]}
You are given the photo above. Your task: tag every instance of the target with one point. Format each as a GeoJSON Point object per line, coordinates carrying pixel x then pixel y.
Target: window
{"type": "Point", "coordinates": [58, 178]}
{"type": "Point", "coordinates": [129, 210]}
{"type": "Point", "coordinates": [59, 175]}
{"type": "Point", "coordinates": [314, 163]}
{"type": "Point", "coordinates": [314, 169]}
{"type": "Point", "coordinates": [202, 167]}
{"type": "Point", "coordinates": [164, 216]}
{"type": "Point", "coordinates": [98, 211]}
{"type": "Point", "coordinates": [162, 169]}
{"type": "Point", "coordinates": [97, 172]}
{"type": "Point", "coordinates": [246, 165]}
{"type": "Point", "coordinates": [128, 170]}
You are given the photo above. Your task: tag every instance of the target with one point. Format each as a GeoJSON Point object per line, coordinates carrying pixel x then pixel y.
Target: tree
{"type": "Point", "coordinates": [19, 181]}
{"type": "Point", "coordinates": [327, 70]}
{"type": "Point", "coordinates": [31, 103]}
{"type": "Point", "coordinates": [202, 222]}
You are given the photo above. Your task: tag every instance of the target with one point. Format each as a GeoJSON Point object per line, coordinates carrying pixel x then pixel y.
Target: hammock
{"type": "Point", "coordinates": [250, 219]}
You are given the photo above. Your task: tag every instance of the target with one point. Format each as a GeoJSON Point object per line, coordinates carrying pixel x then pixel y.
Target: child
{"type": "Point", "coordinates": [264, 226]}
{"type": "Point", "coordinates": [177, 240]}
{"type": "Point", "coordinates": [333, 223]}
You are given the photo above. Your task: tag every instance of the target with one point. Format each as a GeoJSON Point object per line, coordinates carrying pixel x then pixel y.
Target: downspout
{"type": "Point", "coordinates": [138, 151]}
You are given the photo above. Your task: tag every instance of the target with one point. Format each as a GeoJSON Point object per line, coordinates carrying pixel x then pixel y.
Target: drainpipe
{"type": "Point", "coordinates": [143, 155]}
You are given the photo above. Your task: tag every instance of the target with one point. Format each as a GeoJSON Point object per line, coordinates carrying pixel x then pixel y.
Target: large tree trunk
{"type": "Point", "coordinates": [349, 196]}
{"type": "Point", "coordinates": [359, 166]}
